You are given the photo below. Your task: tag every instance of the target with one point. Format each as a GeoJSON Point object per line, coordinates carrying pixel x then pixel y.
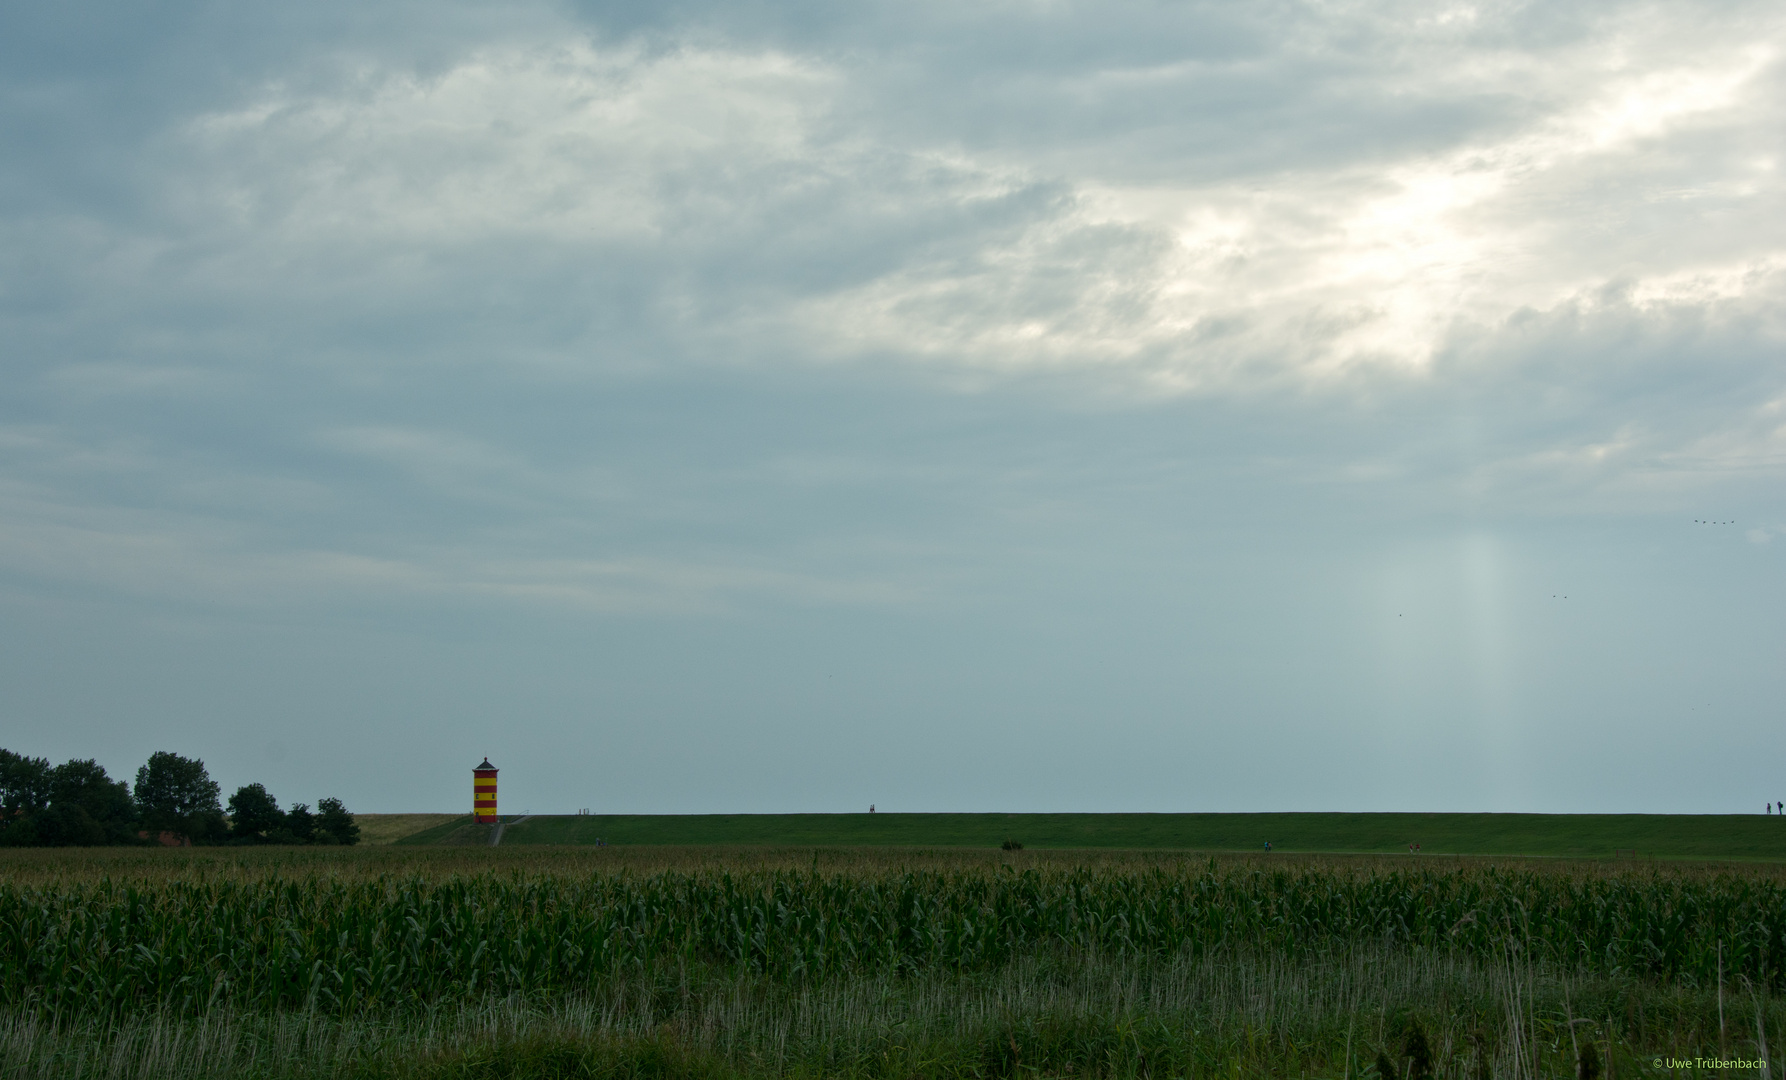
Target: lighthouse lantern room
{"type": "Point", "coordinates": [483, 792]}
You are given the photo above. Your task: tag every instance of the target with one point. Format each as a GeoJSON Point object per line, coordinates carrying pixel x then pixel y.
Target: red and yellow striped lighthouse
{"type": "Point", "coordinates": [483, 792]}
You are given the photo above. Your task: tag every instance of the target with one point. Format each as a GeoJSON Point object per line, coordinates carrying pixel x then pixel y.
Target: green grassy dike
{"type": "Point", "coordinates": [1661, 836]}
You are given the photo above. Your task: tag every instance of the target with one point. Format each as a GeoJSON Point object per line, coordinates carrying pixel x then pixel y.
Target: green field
{"type": "Point", "coordinates": [752, 962]}
{"type": "Point", "coordinates": [1660, 836]}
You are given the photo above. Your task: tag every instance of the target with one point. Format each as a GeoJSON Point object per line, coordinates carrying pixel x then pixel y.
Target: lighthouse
{"type": "Point", "coordinates": [483, 792]}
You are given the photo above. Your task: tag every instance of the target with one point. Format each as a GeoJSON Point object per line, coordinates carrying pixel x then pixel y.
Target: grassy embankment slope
{"type": "Point", "coordinates": [390, 828]}
{"type": "Point", "coordinates": [1679, 836]}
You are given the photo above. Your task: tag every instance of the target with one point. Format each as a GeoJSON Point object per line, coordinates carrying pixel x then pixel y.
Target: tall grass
{"type": "Point", "coordinates": [1232, 1014]}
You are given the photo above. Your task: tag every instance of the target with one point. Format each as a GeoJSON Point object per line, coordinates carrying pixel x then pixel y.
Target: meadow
{"type": "Point", "coordinates": [688, 961]}
{"type": "Point", "coordinates": [1669, 836]}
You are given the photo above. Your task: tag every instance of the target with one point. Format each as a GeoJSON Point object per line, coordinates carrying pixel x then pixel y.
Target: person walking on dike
{"type": "Point", "coordinates": [1267, 845]}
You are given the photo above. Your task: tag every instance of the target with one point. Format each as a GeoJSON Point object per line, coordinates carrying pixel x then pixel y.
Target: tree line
{"type": "Point", "coordinates": [77, 804]}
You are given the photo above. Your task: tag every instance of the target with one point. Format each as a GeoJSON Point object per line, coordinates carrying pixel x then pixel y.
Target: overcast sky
{"type": "Point", "coordinates": [949, 406]}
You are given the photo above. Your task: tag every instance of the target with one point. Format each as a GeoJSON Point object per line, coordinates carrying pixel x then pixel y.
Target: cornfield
{"type": "Point", "coordinates": [1498, 959]}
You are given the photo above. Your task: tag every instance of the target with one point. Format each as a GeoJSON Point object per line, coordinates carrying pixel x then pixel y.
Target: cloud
{"type": "Point", "coordinates": [845, 380]}
{"type": "Point", "coordinates": [1498, 256]}
{"type": "Point", "coordinates": [768, 202]}
{"type": "Point", "coordinates": [184, 560]}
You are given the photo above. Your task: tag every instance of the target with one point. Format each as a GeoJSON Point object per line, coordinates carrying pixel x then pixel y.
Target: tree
{"type": "Point", "coordinates": [301, 823]}
{"type": "Point", "coordinates": [84, 786]}
{"type": "Point", "coordinates": [24, 795]}
{"type": "Point", "coordinates": [177, 795]}
{"type": "Point", "coordinates": [334, 825]}
{"type": "Point", "coordinates": [75, 803]}
{"type": "Point", "coordinates": [67, 824]}
{"type": "Point", "coordinates": [253, 814]}
{"type": "Point", "coordinates": [24, 783]}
